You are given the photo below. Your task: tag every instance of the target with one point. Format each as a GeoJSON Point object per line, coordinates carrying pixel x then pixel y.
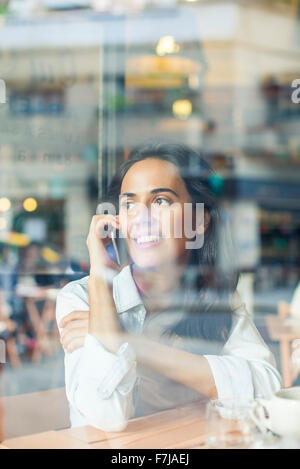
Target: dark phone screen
{"type": "Point", "coordinates": [111, 253]}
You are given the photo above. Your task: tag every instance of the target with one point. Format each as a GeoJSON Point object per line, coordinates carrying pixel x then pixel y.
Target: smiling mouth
{"type": "Point", "coordinates": [147, 241]}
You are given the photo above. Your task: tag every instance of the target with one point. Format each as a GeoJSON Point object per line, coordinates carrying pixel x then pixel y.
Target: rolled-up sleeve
{"type": "Point", "coordinates": [246, 368]}
{"type": "Point", "coordinates": [232, 377]}
{"type": "Point", "coordinates": [99, 383]}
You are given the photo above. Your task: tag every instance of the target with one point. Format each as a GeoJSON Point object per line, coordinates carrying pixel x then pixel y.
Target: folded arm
{"type": "Point", "coordinates": [99, 383]}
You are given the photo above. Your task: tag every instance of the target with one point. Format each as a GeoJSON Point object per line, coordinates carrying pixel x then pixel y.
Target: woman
{"type": "Point", "coordinates": [172, 329]}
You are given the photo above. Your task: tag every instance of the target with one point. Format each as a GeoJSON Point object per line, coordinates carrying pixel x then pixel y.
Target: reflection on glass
{"type": "Point", "coordinates": [79, 89]}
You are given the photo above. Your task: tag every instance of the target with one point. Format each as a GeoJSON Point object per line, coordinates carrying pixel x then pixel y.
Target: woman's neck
{"type": "Point", "coordinates": [159, 282]}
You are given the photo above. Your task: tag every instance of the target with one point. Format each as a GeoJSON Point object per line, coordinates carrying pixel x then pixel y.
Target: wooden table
{"type": "Point", "coordinates": [183, 427]}
{"type": "Point", "coordinates": [37, 412]}
{"type": "Point", "coordinates": [284, 330]}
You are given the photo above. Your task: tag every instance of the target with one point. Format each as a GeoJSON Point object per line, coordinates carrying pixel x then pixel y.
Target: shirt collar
{"type": "Point", "coordinates": [125, 291]}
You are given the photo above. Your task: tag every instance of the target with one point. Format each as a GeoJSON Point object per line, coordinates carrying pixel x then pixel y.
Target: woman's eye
{"type": "Point", "coordinates": [127, 205]}
{"type": "Point", "coordinates": [162, 202]}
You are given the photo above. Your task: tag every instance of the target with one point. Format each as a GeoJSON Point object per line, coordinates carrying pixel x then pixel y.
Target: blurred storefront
{"type": "Point", "coordinates": [53, 132]}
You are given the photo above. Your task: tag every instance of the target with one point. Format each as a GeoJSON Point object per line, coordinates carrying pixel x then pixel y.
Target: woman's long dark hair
{"type": "Point", "coordinates": [209, 285]}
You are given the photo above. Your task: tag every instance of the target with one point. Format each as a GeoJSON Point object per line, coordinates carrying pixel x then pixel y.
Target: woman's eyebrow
{"type": "Point", "coordinates": [154, 191]}
{"type": "Point", "coordinates": [163, 189]}
{"type": "Point", "coordinates": [128, 194]}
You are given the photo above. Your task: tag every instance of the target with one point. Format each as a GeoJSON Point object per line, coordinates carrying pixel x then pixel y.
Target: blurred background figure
{"type": "Point", "coordinates": [9, 305]}
{"type": "Point", "coordinates": [35, 283]}
{"type": "Point", "coordinates": [8, 332]}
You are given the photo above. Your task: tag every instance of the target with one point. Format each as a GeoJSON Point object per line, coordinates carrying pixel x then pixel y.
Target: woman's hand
{"type": "Point", "coordinates": [104, 323]}
{"type": "Point", "coordinates": [98, 239]}
{"type": "Point", "coordinates": [74, 330]}
{"type": "Point", "coordinates": [75, 327]}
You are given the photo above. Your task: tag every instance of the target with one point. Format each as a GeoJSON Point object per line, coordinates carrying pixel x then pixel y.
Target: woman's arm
{"type": "Point", "coordinates": [98, 383]}
{"type": "Point", "coordinates": [186, 368]}
{"type": "Point", "coordinates": [104, 323]}
{"type": "Point", "coordinates": [246, 369]}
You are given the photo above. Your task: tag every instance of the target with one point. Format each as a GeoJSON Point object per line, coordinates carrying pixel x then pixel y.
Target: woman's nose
{"type": "Point", "coordinates": [144, 217]}
{"type": "Point", "coordinates": [140, 212]}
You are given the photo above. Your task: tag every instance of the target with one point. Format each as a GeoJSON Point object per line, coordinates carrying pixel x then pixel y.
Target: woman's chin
{"type": "Point", "coordinates": [146, 263]}
{"type": "Point", "coordinates": [151, 255]}
{"type": "Point", "coordinates": [146, 260]}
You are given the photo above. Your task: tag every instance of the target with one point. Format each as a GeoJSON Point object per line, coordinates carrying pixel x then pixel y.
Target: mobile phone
{"type": "Point", "coordinates": [113, 234]}
{"type": "Point", "coordinates": [111, 249]}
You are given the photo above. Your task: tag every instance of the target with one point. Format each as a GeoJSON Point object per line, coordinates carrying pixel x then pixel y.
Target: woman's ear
{"type": "Point", "coordinates": [202, 228]}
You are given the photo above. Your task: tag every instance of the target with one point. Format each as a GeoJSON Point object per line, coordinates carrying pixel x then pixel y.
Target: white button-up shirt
{"type": "Point", "coordinates": [105, 389]}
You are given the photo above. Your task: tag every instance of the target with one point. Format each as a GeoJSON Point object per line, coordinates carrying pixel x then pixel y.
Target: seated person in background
{"type": "Point", "coordinates": [172, 329]}
{"type": "Point", "coordinates": [8, 331]}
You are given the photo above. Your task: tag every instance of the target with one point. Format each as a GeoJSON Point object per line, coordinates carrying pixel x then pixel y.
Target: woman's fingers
{"type": "Point", "coordinates": [74, 344]}
{"type": "Point", "coordinates": [73, 334]}
{"type": "Point", "coordinates": [74, 330]}
{"type": "Point", "coordinates": [82, 324]}
{"type": "Point", "coordinates": [98, 239]}
{"type": "Point", "coordinates": [74, 315]}
{"type": "Point", "coordinates": [98, 225]}
{"type": "Point", "coordinates": [105, 221]}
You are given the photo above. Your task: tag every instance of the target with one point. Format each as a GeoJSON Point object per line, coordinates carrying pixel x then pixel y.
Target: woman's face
{"type": "Point", "coordinates": [151, 216]}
